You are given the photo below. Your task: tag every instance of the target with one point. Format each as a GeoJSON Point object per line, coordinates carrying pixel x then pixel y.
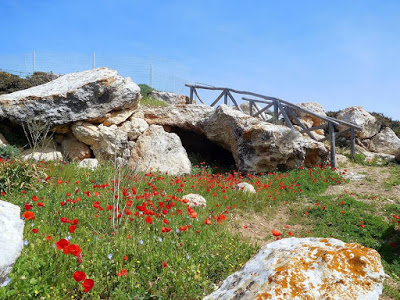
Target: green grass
{"type": "Point", "coordinates": [148, 101]}
{"type": "Point", "coordinates": [394, 178]}
{"type": "Point", "coordinates": [196, 257]}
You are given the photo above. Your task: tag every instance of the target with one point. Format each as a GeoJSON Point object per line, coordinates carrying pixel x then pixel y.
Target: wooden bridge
{"type": "Point", "coordinates": [281, 109]}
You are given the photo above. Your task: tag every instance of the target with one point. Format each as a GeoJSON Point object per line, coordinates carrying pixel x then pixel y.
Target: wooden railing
{"type": "Point", "coordinates": [289, 112]}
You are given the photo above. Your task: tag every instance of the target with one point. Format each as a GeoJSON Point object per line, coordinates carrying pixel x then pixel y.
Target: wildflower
{"type": "Point", "coordinates": [79, 276]}
{"type": "Point", "coordinates": [6, 282]}
{"type": "Point", "coordinates": [276, 233]}
{"type": "Point", "coordinates": [87, 285]}
{"type": "Point", "coordinates": [28, 215]}
{"type": "Point", "coordinates": [26, 242]}
{"type": "Point", "coordinates": [72, 228]}
{"type": "Point", "coordinates": [164, 264]}
{"type": "Point", "coordinates": [34, 230]}
{"type": "Point", "coordinates": [141, 242]}
{"type": "Point", "coordinates": [109, 256]}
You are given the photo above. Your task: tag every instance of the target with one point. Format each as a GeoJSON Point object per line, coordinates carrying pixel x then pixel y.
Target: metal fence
{"type": "Point", "coordinates": [160, 73]}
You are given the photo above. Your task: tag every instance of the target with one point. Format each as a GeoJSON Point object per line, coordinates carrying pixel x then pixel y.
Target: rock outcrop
{"type": "Point", "coordinates": [89, 163]}
{"type": "Point", "coordinates": [309, 120]}
{"type": "Point", "coordinates": [260, 146]}
{"type": "Point", "coordinates": [195, 200]}
{"type": "Point", "coordinates": [42, 154]}
{"type": "Point", "coordinates": [11, 237]}
{"type": "Point", "coordinates": [385, 141]}
{"type": "Point", "coordinates": [72, 97]}
{"type": "Point", "coordinates": [245, 187]}
{"type": "Point", "coordinates": [308, 268]}
{"type": "Point", "coordinates": [74, 150]}
{"type": "Point", "coordinates": [358, 116]}
{"type": "Point", "coordinates": [157, 150]}
{"type": "Point", "coordinates": [170, 98]}
{"type": "Point", "coordinates": [3, 141]}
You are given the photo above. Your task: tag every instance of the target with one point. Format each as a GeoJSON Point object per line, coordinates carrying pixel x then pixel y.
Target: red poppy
{"type": "Point", "coordinates": [183, 228]}
{"type": "Point", "coordinates": [164, 264]}
{"type": "Point", "coordinates": [87, 285]}
{"type": "Point", "coordinates": [28, 215]}
{"type": "Point", "coordinates": [148, 219]}
{"type": "Point", "coordinates": [125, 257]}
{"type": "Point", "coordinates": [79, 276]}
{"type": "Point", "coordinates": [165, 229]}
{"type": "Point", "coordinates": [165, 221]}
{"type": "Point", "coordinates": [28, 206]}
{"type": "Point", "coordinates": [207, 222]}
{"type": "Point", "coordinates": [34, 230]}
{"type": "Point", "coordinates": [40, 204]}
{"type": "Point", "coordinates": [276, 233]}
{"type": "Point", "coordinates": [290, 233]}
{"type": "Point", "coordinates": [72, 249]}
{"type": "Point", "coordinates": [61, 244]}
{"type": "Point", "coordinates": [35, 198]}
{"type": "Point", "coordinates": [72, 228]}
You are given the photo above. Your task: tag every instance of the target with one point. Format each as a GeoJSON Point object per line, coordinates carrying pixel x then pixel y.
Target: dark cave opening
{"type": "Point", "coordinates": [201, 149]}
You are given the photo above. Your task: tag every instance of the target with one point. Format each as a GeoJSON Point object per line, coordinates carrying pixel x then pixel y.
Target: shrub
{"type": "Point", "coordinates": [10, 83]}
{"type": "Point", "coordinates": [145, 90]}
{"type": "Point", "coordinates": [8, 151]}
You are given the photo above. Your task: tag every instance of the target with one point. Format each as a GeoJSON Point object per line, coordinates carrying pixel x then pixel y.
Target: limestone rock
{"type": "Point", "coordinates": [116, 117]}
{"type": "Point", "coordinates": [385, 141]}
{"type": "Point", "coordinates": [358, 116]}
{"type": "Point", "coordinates": [134, 128]}
{"type": "Point", "coordinates": [11, 237]}
{"type": "Point", "coordinates": [195, 200]}
{"type": "Point", "coordinates": [187, 117]}
{"type": "Point", "coordinates": [307, 268]}
{"type": "Point", "coordinates": [42, 154]}
{"type": "Point", "coordinates": [86, 132]}
{"type": "Point", "coordinates": [260, 146]}
{"type": "Point", "coordinates": [397, 156]}
{"type": "Point", "coordinates": [170, 98]}
{"type": "Point", "coordinates": [75, 150]}
{"type": "Point", "coordinates": [245, 187]}
{"type": "Point", "coordinates": [341, 159]}
{"type": "Point", "coordinates": [89, 163]}
{"type": "Point", "coordinates": [72, 97]}
{"type": "Point", "coordinates": [309, 120]}
{"type": "Point", "coordinates": [159, 150]}
{"type": "Point", "coordinates": [111, 142]}
{"type": "Point", "coordinates": [380, 158]}
{"type": "Point", "coordinates": [3, 141]}
{"type": "Point", "coordinates": [245, 106]}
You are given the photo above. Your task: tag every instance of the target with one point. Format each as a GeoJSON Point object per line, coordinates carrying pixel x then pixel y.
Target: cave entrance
{"type": "Point", "coordinates": [201, 149]}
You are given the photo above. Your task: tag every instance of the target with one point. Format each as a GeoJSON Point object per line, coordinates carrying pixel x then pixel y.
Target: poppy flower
{"type": "Point", "coordinates": [35, 198]}
{"type": "Point", "coordinates": [40, 204]}
{"type": "Point", "coordinates": [276, 233]}
{"type": "Point", "coordinates": [164, 264]}
{"type": "Point", "coordinates": [79, 276]}
{"type": "Point", "coordinates": [28, 215]}
{"type": "Point", "coordinates": [165, 229]}
{"type": "Point", "coordinates": [87, 285]}
{"type": "Point", "coordinates": [61, 244]}
{"type": "Point", "coordinates": [72, 228]}
{"type": "Point", "coordinates": [183, 228]}
{"type": "Point", "coordinates": [72, 249]}
{"type": "Point", "coordinates": [207, 222]}
{"type": "Point", "coordinates": [34, 230]}
{"type": "Point", "coordinates": [28, 206]}
{"type": "Point", "coordinates": [148, 219]}
{"type": "Point", "coordinates": [290, 233]}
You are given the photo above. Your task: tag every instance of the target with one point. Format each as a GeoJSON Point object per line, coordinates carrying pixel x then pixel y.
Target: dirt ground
{"type": "Point", "coordinates": [371, 188]}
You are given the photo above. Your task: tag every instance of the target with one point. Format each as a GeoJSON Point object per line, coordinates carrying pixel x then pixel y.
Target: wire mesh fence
{"type": "Point", "coordinates": [160, 73]}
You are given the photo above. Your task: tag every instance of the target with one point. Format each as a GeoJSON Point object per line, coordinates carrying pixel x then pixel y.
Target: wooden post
{"type": "Point", "coordinates": [276, 114]}
{"type": "Point", "coordinates": [191, 95]}
{"type": "Point", "coordinates": [353, 143]}
{"type": "Point", "coordinates": [225, 97]}
{"type": "Point", "coordinates": [251, 108]}
{"type": "Point", "coordinates": [332, 138]}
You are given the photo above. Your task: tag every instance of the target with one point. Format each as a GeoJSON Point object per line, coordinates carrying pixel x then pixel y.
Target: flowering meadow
{"type": "Point", "coordinates": [113, 234]}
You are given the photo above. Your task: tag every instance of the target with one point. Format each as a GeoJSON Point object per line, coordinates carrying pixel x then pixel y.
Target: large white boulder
{"type": "Point", "coordinates": [170, 98]}
{"type": "Point", "coordinates": [358, 116]}
{"type": "Point", "coordinates": [72, 97]}
{"type": "Point", "coordinates": [11, 237]}
{"type": "Point", "coordinates": [385, 141]}
{"type": "Point", "coordinates": [260, 146]}
{"type": "Point", "coordinates": [157, 150]}
{"type": "Point", "coordinates": [307, 268]}
{"type": "Point", "coordinates": [42, 154]}
{"type": "Point", "coordinates": [245, 187]}
{"type": "Point", "coordinates": [89, 163]}
{"type": "Point", "coordinates": [195, 200]}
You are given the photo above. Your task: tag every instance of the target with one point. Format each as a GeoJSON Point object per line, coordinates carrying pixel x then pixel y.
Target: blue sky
{"type": "Point", "coordinates": [336, 53]}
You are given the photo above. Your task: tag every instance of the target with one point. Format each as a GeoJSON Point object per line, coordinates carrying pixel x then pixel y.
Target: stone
{"type": "Point", "coordinates": [64, 128]}
{"type": "Point", "coordinates": [309, 120]}
{"type": "Point", "coordinates": [74, 150]}
{"type": "Point", "coordinates": [89, 163]}
{"type": "Point", "coordinates": [195, 200]}
{"type": "Point", "coordinates": [307, 268]}
{"type": "Point", "coordinates": [385, 141]}
{"type": "Point", "coordinates": [170, 98]}
{"type": "Point", "coordinates": [187, 117]}
{"type": "Point", "coordinates": [245, 106]}
{"type": "Point", "coordinates": [11, 237]}
{"type": "Point", "coordinates": [42, 154]}
{"type": "Point", "coordinates": [86, 132]}
{"type": "Point", "coordinates": [157, 150]}
{"type": "Point", "coordinates": [397, 156]}
{"type": "Point", "coordinates": [72, 97]}
{"type": "Point", "coordinates": [245, 187]}
{"type": "Point", "coordinates": [117, 117]}
{"type": "Point", "coordinates": [3, 141]}
{"type": "Point", "coordinates": [358, 116]}
{"type": "Point", "coordinates": [341, 159]}
{"type": "Point", "coordinates": [134, 128]}
{"type": "Point", "coordinates": [260, 146]}
{"type": "Point", "coordinates": [380, 158]}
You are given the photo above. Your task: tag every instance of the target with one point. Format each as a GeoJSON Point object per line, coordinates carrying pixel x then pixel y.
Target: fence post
{"type": "Point", "coordinates": [225, 97]}
{"type": "Point", "coordinates": [151, 76]}
{"type": "Point", "coordinates": [333, 145]}
{"type": "Point", "coordinates": [94, 60]}
{"type": "Point", "coordinates": [191, 95]}
{"type": "Point", "coordinates": [276, 109]}
{"type": "Point", "coordinates": [251, 108]}
{"type": "Point", "coordinates": [353, 143]}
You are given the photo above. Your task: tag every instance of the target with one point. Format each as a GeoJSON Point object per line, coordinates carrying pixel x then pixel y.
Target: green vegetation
{"type": "Point", "coordinates": [11, 83]}
{"type": "Point", "coordinates": [394, 178]}
{"type": "Point", "coordinates": [148, 101]}
{"type": "Point", "coordinates": [145, 90]}
{"type": "Point", "coordinates": [8, 151]}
